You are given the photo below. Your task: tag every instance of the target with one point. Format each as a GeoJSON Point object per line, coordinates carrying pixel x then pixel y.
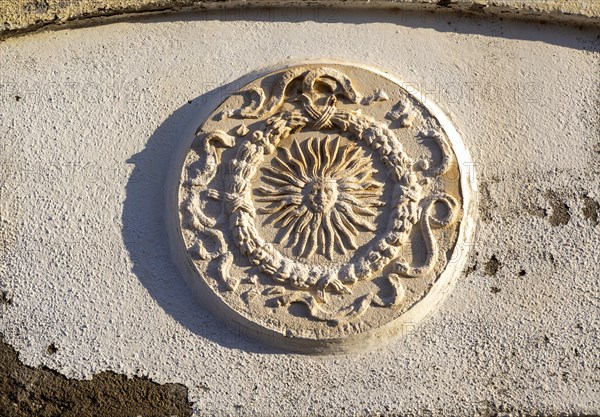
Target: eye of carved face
{"type": "Point", "coordinates": [321, 196]}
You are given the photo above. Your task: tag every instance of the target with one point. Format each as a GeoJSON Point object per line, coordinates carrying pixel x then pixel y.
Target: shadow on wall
{"type": "Point", "coordinates": [441, 19]}
{"type": "Point", "coordinates": [145, 232]}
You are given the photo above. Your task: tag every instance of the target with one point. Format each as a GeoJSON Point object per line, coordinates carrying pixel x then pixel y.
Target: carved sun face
{"type": "Point", "coordinates": [321, 196]}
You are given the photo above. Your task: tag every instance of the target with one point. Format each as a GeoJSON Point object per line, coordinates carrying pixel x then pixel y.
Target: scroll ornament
{"type": "Point", "coordinates": [320, 194]}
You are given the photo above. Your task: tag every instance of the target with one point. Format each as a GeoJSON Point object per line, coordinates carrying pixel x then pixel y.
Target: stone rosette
{"type": "Point", "coordinates": [323, 208]}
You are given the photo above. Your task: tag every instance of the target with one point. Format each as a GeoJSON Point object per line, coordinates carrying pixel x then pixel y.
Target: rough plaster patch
{"type": "Point", "coordinates": [492, 266]}
{"type": "Point", "coordinates": [90, 143]}
{"type": "Point", "coordinates": [42, 392]}
{"type": "Point", "coordinates": [591, 209]}
{"type": "Point", "coordinates": [559, 209]}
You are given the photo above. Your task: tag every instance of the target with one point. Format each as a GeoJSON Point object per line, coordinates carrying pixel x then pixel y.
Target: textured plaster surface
{"type": "Point", "coordinates": [18, 16]}
{"type": "Point", "coordinates": [89, 121]}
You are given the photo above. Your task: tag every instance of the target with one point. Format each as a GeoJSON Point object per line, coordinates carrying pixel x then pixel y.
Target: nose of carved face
{"type": "Point", "coordinates": [322, 195]}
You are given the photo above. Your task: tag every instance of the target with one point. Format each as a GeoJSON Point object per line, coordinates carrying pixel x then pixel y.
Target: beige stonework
{"type": "Point", "coordinates": [19, 16]}
{"type": "Point", "coordinates": [324, 208]}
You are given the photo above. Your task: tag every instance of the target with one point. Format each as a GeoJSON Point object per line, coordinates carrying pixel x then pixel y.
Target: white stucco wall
{"type": "Point", "coordinates": [86, 147]}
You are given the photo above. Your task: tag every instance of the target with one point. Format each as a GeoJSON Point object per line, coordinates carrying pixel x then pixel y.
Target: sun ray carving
{"type": "Point", "coordinates": [321, 195]}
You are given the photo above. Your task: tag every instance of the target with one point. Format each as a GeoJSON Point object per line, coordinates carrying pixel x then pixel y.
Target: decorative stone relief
{"type": "Point", "coordinates": [323, 208]}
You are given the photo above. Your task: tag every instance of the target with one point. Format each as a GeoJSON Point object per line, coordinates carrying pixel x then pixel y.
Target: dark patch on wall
{"type": "Point", "coordinates": [42, 392]}
{"type": "Point", "coordinates": [5, 298]}
{"type": "Point", "coordinates": [591, 209]}
{"type": "Point", "coordinates": [486, 203]}
{"type": "Point", "coordinates": [535, 210]}
{"type": "Point", "coordinates": [471, 269]}
{"type": "Point", "coordinates": [560, 210]}
{"type": "Point", "coordinates": [492, 266]}
{"type": "Point", "coordinates": [490, 408]}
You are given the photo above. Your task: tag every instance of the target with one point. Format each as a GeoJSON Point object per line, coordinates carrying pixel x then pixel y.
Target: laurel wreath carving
{"type": "Point", "coordinates": [412, 202]}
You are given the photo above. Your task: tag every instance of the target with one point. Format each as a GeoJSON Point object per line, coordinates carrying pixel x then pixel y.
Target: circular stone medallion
{"type": "Point", "coordinates": [323, 208]}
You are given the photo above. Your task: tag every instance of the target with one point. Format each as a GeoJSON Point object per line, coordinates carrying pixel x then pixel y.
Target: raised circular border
{"type": "Point", "coordinates": [369, 339]}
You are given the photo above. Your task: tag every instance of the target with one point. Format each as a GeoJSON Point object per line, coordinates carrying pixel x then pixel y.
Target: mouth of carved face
{"type": "Point", "coordinates": [322, 195]}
